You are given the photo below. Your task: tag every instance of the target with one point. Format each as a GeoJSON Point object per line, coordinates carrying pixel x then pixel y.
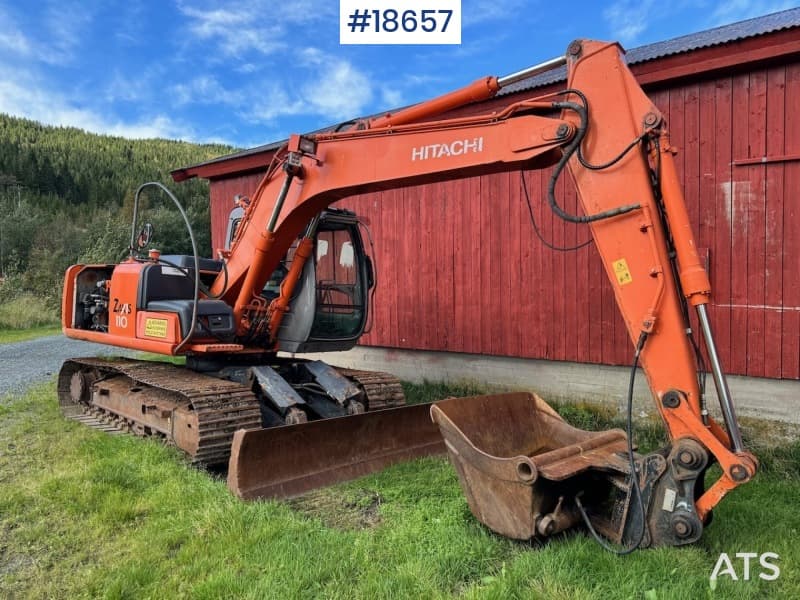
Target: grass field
{"type": "Point", "coordinates": [27, 312]}
{"type": "Point", "coordinates": [85, 514]}
{"type": "Point", "coordinates": [8, 336]}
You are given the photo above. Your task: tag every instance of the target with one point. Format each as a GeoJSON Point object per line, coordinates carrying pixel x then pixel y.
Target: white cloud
{"type": "Point", "coordinates": [65, 24]}
{"type": "Point", "coordinates": [204, 89]}
{"type": "Point", "coordinates": [340, 92]}
{"type": "Point", "coordinates": [333, 88]}
{"type": "Point", "coordinates": [137, 88]}
{"type": "Point", "coordinates": [11, 38]}
{"type": "Point", "coordinates": [247, 68]}
{"type": "Point", "coordinates": [739, 10]}
{"type": "Point", "coordinates": [22, 97]}
{"type": "Point", "coordinates": [260, 26]}
{"type": "Point", "coordinates": [235, 30]}
{"type": "Point", "coordinates": [391, 98]}
{"type": "Point", "coordinates": [16, 42]}
{"type": "Point", "coordinates": [59, 32]}
{"type": "Point", "coordinates": [274, 102]}
{"type": "Point", "coordinates": [627, 19]}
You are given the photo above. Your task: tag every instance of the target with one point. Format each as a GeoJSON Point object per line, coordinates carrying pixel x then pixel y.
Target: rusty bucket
{"type": "Point", "coordinates": [521, 465]}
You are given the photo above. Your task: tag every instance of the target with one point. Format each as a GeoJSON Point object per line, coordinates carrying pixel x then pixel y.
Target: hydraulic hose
{"type": "Point", "coordinates": [571, 148]}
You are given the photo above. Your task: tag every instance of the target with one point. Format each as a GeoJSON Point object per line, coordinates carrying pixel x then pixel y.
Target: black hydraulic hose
{"type": "Point", "coordinates": [196, 296]}
{"type": "Point", "coordinates": [633, 476]}
{"type": "Point", "coordinates": [570, 149]}
{"type": "Point", "coordinates": [536, 227]}
{"type": "Point", "coordinates": [585, 163]}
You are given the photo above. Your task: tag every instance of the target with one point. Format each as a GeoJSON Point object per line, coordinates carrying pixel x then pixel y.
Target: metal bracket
{"type": "Point", "coordinates": [275, 388]}
{"type": "Point", "coordinates": [337, 386]}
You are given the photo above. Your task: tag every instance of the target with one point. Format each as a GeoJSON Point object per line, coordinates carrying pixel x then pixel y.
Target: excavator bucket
{"type": "Point", "coordinates": [521, 465]}
{"type": "Point", "coordinates": [284, 462]}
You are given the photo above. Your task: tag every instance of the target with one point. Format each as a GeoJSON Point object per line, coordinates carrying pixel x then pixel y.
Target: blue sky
{"type": "Point", "coordinates": [248, 73]}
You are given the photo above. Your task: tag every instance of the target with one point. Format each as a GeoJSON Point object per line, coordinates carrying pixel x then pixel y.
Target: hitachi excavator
{"type": "Point", "coordinates": [296, 278]}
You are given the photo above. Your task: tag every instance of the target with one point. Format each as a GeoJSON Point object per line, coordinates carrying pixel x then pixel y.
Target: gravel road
{"type": "Point", "coordinates": [23, 364]}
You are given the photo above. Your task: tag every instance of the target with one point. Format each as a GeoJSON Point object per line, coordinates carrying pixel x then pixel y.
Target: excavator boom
{"type": "Point", "coordinates": [523, 470]}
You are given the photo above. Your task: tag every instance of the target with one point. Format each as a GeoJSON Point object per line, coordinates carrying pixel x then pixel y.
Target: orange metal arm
{"type": "Point", "coordinates": [633, 245]}
{"type": "Point", "coordinates": [356, 162]}
{"type": "Point", "coordinates": [640, 272]}
{"type": "Point", "coordinates": [481, 89]}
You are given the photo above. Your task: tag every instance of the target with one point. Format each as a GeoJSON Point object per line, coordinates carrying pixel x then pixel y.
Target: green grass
{"type": "Point", "coordinates": [8, 336]}
{"type": "Point", "coordinates": [85, 514]}
{"type": "Point", "coordinates": [27, 312]}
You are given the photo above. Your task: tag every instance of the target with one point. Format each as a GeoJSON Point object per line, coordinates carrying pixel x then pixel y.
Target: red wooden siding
{"type": "Point", "coordinates": [460, 268]}
{"type": "Point", "coordinates": [222, 193]}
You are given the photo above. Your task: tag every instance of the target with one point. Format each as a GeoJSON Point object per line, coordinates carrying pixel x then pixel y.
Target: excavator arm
{"type": "Point", "coordinates": [611, 138]}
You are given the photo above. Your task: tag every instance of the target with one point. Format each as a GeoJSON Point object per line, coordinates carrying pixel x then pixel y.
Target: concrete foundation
{"type": "Point", "coordinates": [771, 399]}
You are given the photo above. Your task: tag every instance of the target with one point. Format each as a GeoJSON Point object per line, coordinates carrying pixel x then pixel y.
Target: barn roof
{"type": "Point", "coordinates": [718, 36]}
{"type": "Point", "coordinates": [786, 19]}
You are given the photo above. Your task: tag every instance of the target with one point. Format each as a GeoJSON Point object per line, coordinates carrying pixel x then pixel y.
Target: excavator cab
{"type": "Point", "coordinates": [330, 304]}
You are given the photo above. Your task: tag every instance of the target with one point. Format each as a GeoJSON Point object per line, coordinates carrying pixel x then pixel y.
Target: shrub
{"type": "Point", "coordinates": [26, 311]}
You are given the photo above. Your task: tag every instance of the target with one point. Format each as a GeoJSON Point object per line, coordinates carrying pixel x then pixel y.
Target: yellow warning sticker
{"type": "Point", "coordinates": [622, 272]}
{"type": "Point", "coordinates": [155, 328]}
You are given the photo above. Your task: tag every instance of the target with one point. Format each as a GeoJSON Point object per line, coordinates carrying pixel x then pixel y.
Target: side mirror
{"type": "Point", "coordinates": [145, 235]}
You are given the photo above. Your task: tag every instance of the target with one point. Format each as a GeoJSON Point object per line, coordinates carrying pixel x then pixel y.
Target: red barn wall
{"type": "Point", "coordinates": [460, 268]}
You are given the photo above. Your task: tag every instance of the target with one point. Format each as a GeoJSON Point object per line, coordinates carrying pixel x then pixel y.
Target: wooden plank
{"type": "Point", "coordinates": [487, 277]}
{"type": "Point", "coordinates": [475, 300]}
{"type": "Point", "coordinates": [409, 300]}
{"type": "Point", "coordinates": [426, 263]}
{"type": "Point", "coordinates": [691, 154]}
{"type": "Point", "coordinates": [502, 250]}
{"type": "Point", "coordinates": [557, 282]}
{"type": "Point", "coordinates": [596, 281]}
{"type": "Point", "coordinates": [361, 205]}
{"type": "Point", "coordinates": [458, 213]}
{"type": "Point", "coordinates": [398, 222]}
{"type": "Point", "coordinates": [546, 226]}
{"type": "Point", "coordinates": [740, 192]}
{"type": "Point", "coordinates": [438, 264]}
{"type": "Point", "coordinates": [543, 216]}
{"type": "Point", "coordinates": [707, 186]}
{"type": "Point", "coordinates": [773, 221]}
{"type": "Point", "coordinates": [723, 208]}
{"type": "Point", "coordinates": [528, 251]}
{"type": "Point", "coordinates": [790, 344]}
{"type": "Point", "coordinates": [582, 277]}
{"type": "Point", "coordinates": [385, 208]}
{"type": "Point", "coordinates": [572, 297]}
{"type": "Point", "coordinates": [756, 130]}
{"type": "Point", "coordinates": [221, 194]}
{"type": "Point", "coordinates": [690, 149]}
{"type": "Point", "coordinates": [515, 257]}
{"type": "Point", "coordinates": [446, 274]}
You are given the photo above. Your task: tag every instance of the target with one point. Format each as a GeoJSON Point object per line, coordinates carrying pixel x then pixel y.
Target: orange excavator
{"type": "Point", "coordinates": [296, 277]}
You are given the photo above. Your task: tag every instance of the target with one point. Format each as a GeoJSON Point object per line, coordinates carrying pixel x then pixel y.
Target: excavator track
{"type": "Point", "coordinates": [381, 390]}
{"type": "Point", "coordinates": [197, 413]}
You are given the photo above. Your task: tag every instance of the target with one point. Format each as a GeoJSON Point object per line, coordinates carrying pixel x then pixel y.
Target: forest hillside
{"type": "Point", "coordinates": [66, 196]}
